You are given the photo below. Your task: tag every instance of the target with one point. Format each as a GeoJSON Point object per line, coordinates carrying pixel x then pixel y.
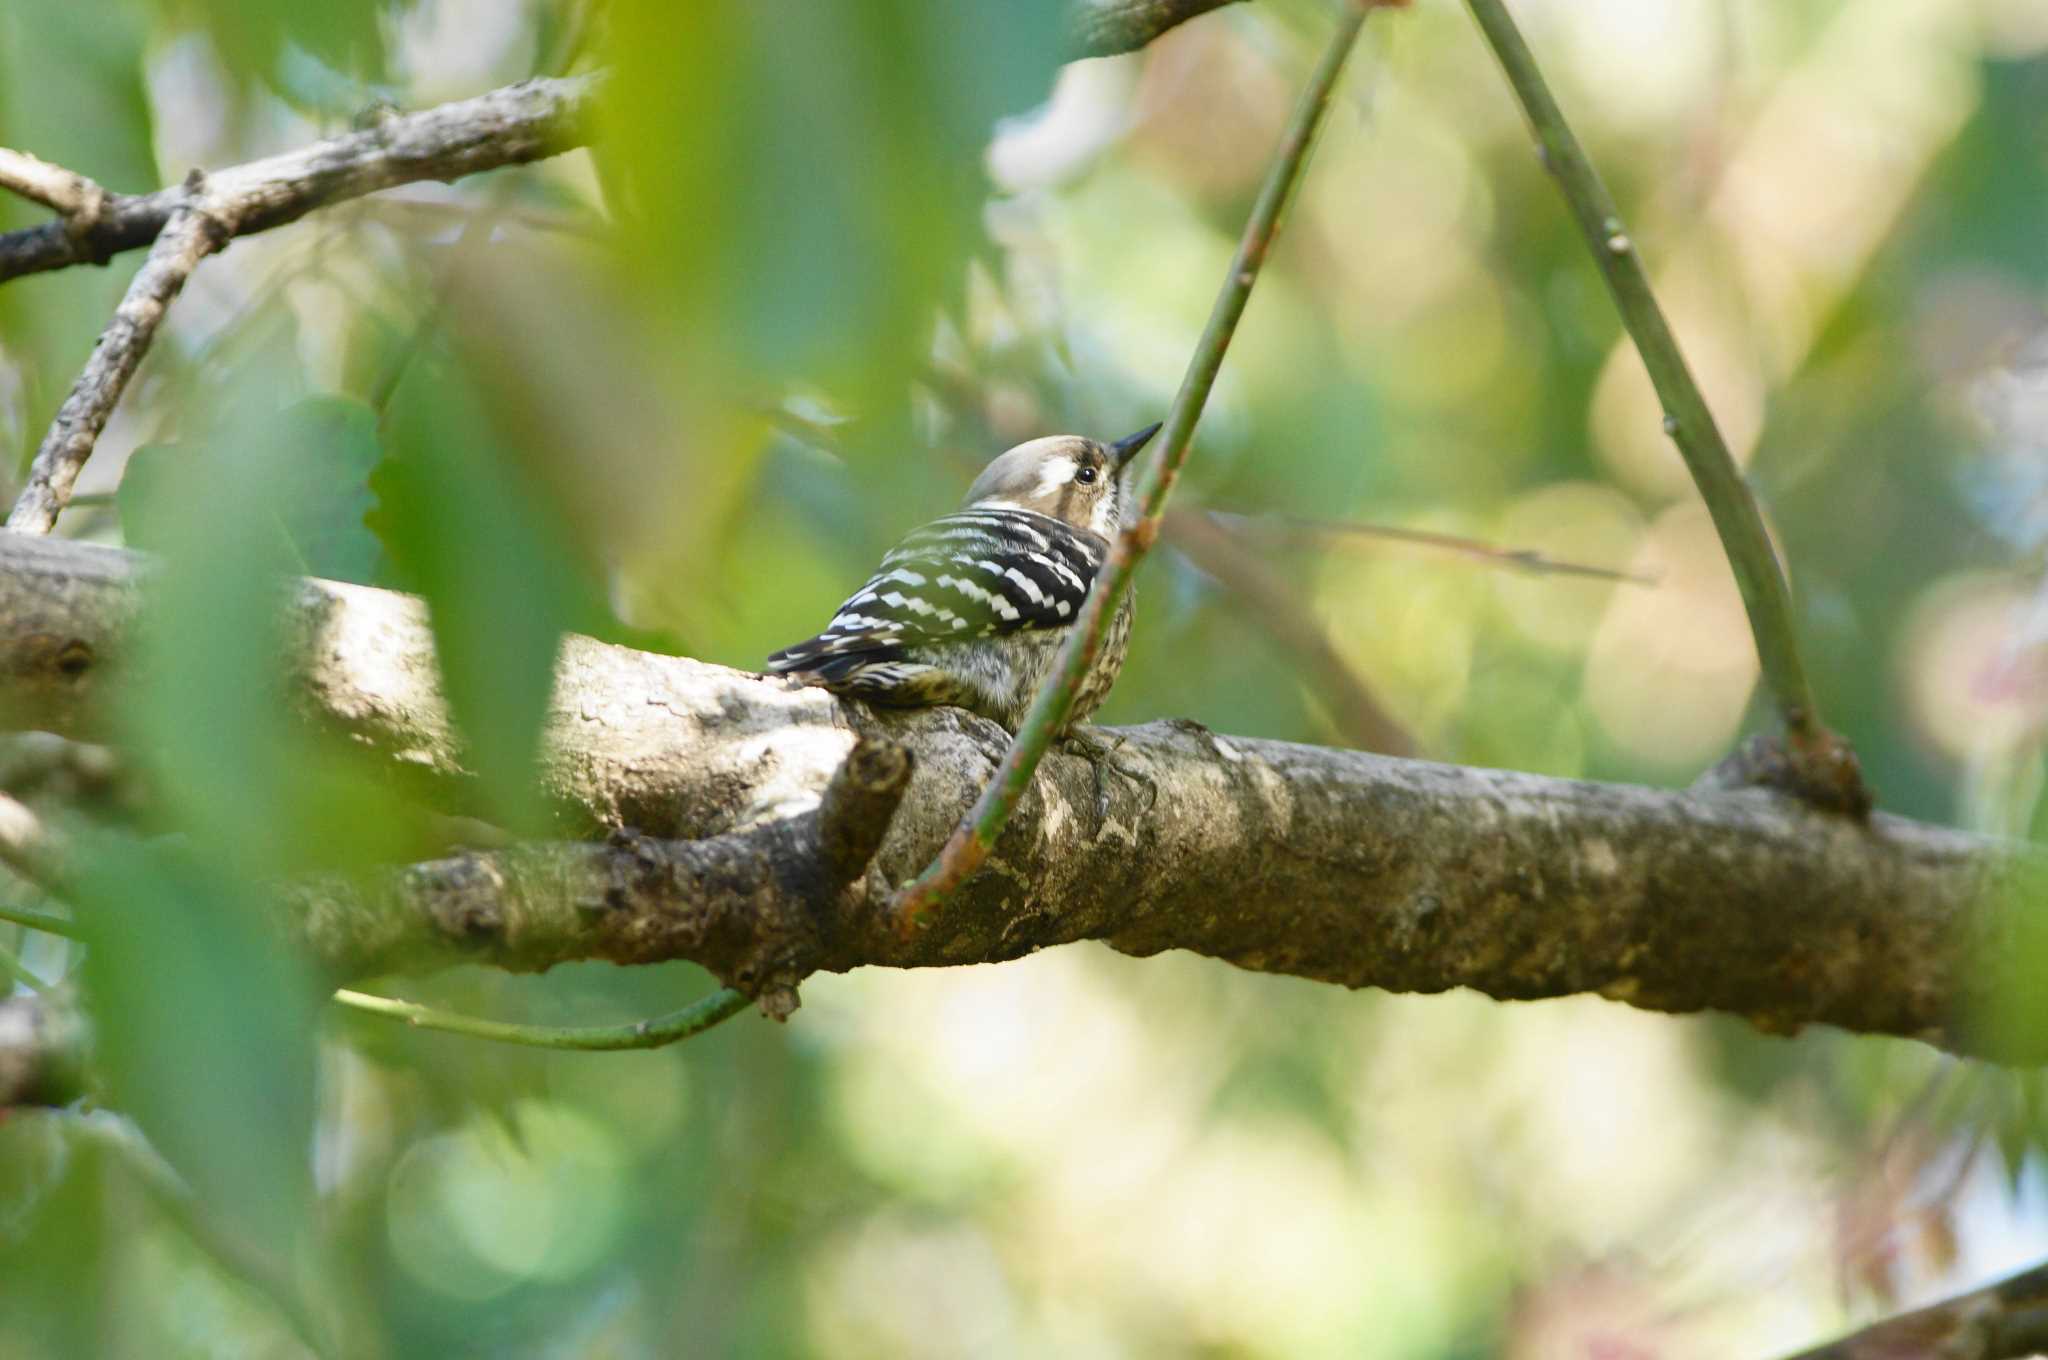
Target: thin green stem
{"type": "Point", "coordinates": [262, 1272]}
{"type": "Point", "coordinates": [674, 1027]}
{"type": "Point", "coordinates": [1686, 417]}
{"type": "Point", "coordinates": [41, 920]}
{"type": "Point", "coordinates": [970, 843]}
{"type": "Point", "coordinates": [12, 967]}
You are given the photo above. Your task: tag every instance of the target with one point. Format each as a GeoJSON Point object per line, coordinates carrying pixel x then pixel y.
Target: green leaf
{"type": "Point", "coordinates": [803, 183]}
{"type": "Point", "coordinates": [464, 527]}
{"type": "Point", "coordinates": [235, 521]}
{"type": "Point", "coordinates": [327, 448]}
{"type": "Point", "coordinates": [204, 1035]}
{"type": "Point", "coordinates": [277, 41]}
{"type": "Point", "coordinates": [71, 92]}
{"type": "Point", "coordinates": [320, 450]}
{"type": "Point", "coordinates": [150, 499]}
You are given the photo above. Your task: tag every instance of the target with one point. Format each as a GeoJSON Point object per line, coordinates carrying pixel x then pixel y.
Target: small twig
{"type": "Point", "coordinates": [674, 1027]}
{"type": "Point", "coordinates": [1267, 600]}
{"type": "Point", "coordinates": [192, 233]}
{"type": "Point", "coordinates": [1521, 559]}
{"type": "Point", "coordinates": [970, 843]}
{"type": "Point", "coordinates": [1824, 769]}
{"type": "Point", "coordinates": [2002, 1321]}
{"type": "Point", "coordinates": [41, 920]}
{"type": "Point", "coordinates": [80, 202]}
{"type": "Point", "coordinates": [508, 126]}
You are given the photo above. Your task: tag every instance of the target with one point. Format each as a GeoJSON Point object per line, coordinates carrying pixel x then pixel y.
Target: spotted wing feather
{"type": "Point", "coordinates": [967, 576]}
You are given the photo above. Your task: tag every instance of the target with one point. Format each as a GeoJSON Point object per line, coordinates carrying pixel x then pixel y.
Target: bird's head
{"type": "Point", "coordinates": [1067, 476]}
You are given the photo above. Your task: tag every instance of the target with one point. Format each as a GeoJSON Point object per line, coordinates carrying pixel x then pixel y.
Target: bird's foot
{"type": "Point", "coordinates": [1099, 749]}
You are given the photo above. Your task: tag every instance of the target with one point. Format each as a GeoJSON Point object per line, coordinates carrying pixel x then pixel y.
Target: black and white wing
{"type": "Point", "coordinates": [970, 575]}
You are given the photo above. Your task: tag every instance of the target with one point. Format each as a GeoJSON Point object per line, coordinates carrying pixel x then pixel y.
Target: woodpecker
{"type": "Point", "coordinates": [971, 609]}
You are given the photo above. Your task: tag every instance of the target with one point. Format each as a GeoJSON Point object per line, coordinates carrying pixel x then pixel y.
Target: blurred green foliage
{"type": "Point", "coordinates": [684, 389]}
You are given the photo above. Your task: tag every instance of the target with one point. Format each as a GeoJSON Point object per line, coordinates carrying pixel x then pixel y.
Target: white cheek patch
{"type": "Point", "coordinates": [1105, 519]}
{"type": "Point", "coordinates": [1058, 472]}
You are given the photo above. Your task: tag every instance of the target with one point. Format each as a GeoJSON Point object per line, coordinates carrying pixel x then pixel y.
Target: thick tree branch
{"type": "Point", "coordinates": [1340, 866]}
{"type": "Point", "coordinates": [1336, 865]}
{"type": "Point", "coordinates": [2001, 1321]}
{"type": "Point", "coordinates": [509, 126]}
{"type": "Point", "coordinates": [1104, 28]}
{"type": "Point", "coordinates": [758, 907]}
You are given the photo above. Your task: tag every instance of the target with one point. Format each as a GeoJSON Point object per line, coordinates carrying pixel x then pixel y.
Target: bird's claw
{"type": "Point", "coordinates": [1100, 751]}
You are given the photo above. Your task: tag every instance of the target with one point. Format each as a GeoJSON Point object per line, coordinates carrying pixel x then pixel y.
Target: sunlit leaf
{"type": "Point", "coordinates": [205, 1032]}
{"type": "Point", "coordinates": [321, 449]}
{"type": "Point", "coordinates": [802, 182]}
{"type": "Point", "coordinates": [466, 530]}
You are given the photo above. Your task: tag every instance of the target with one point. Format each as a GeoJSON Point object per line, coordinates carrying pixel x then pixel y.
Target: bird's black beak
{"type": "Point", "coordinates": [1127, 448]}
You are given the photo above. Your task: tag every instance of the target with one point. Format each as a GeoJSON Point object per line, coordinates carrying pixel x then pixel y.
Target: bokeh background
{"type": "Point", "coordinates": [684, 390]}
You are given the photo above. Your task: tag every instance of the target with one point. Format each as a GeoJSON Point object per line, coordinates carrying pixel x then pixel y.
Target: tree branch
{"type": "Point", "coordinates": [1818, 764]}
{"type": "Point", "coordinates": [510, 126]}
{"type": "Point", "coordinates": [1340, 866]}
{"type": "Point", "coordinates": [2001, 1321]}
{"type": "Point", "coordinates": [76, 199]}
{"type": "Point", "coordinates": [518, 123]}
{"type": "Point", "coordinates": [193, 233]}
{"type": "Point", "coordinates": [757, 907]}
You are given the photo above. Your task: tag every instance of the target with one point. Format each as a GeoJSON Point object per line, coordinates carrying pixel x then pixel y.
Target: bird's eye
{"type": "Point", "coordinates": [1085, 475]}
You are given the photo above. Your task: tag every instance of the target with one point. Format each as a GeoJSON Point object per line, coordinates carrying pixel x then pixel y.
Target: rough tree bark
{"type": "Point", "coordinates": [1349, 868]}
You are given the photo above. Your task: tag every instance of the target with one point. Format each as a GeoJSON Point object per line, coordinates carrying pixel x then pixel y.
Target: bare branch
{"type": "Point", "coordinates": [510, 126]}
{"type": "Point", "coordinates": [192, 234]}
{"type": "Point", "coordinates": [1104, 28]}
{"type": "Point", "coordinates": [2001, 1321]}
{"type": "Point", "coordinates": [1521, 559]}
{"type": "Point", "coordinates": [1342, 866]}
{"type": "Point", "coordinates": [77, 200]}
